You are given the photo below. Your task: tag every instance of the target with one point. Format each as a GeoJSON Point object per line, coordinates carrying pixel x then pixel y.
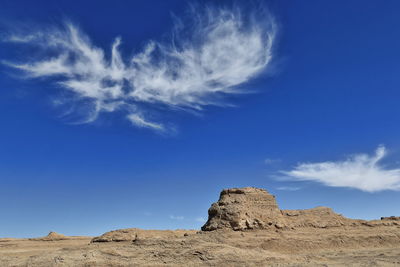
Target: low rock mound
{"type": "Point", "coordinates": [244, 208]}
{"type": "Point", "coordinates": [135, 234]}
{"type": "Point", "coordinates": [391, 218]}
{"type": "Point", "coordinates": [319, 217]}
{"type": "Point", "coordinates": [52, 236]}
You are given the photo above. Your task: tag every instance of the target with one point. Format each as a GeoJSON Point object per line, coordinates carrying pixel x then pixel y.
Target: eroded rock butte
{"type": "Point", "coordinates": [254, 208]}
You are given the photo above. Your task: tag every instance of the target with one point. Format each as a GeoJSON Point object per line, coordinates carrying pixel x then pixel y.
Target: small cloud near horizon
{"type": "Point", "coordinates": [361, 171]}
{"type": "Point", "coordinates": [179, 218]}
{"type": "Point", "coordinates": [288, 188]}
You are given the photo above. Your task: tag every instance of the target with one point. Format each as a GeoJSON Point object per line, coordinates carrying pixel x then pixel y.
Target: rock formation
{"type": "Point", "coordinates": [244, 208]}
{"type": "Point", "coordinates": [253, 208]}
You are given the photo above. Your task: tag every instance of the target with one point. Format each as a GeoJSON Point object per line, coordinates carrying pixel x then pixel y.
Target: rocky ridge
{"type": "Point", "coordinates": [253, 208]}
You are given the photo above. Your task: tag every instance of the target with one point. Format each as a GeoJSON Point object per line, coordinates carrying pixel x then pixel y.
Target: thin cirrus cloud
{"type": "Point", "coordinates": [361, 171]}
{"type": "Point", "coordinates": [179, 218]}
{"type": "Point", "coordinates": [288, 188]}
{"type": "Point", "coordinates": [220, 50]}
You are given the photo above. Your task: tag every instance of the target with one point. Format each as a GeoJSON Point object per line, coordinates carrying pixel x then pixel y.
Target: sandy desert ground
{"type": "Point", "coordinates": [245, 228]}
{"type": "Point", "coordinates": [311, 247]}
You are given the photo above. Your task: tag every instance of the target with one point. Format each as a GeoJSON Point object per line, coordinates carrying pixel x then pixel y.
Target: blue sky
{"type": "Point", "coordinates": [314, 118]}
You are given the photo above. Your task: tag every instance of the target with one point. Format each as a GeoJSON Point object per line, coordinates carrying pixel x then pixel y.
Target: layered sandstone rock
{"type": "Point", "coordinates": [253, 208]}
{"type": "Point", "coordinates": [244, 208]}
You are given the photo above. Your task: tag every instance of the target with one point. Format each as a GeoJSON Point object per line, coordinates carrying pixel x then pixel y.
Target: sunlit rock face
{"type": "Point", "coordinates": [244, 208]}
{"type": "Point", "coordinates": [253, 208]}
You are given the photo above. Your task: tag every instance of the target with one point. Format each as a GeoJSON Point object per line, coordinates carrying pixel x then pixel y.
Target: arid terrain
{"type": "Point", "coordinates": [245, 228]}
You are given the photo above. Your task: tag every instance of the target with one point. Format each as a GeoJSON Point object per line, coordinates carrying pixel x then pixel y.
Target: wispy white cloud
{"type": "Point", "coordinates": [179, 218]}
{"type": "Point", "coordinates": [139, 121]}
{"type": "Point", "coordinates": [361, 171]}
{"type": "Point", "coordinates": [219, 50]}
{"type": "Point", "coordinates": [288, 188]}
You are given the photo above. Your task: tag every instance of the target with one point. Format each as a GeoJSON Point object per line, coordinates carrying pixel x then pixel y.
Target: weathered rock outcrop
{"type": "Point", "coordinates": [244, 208]}
{"type": "Point", "coordinates": [253, 208]}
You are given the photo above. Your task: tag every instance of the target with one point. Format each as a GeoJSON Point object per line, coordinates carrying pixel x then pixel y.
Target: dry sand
{"type": "Point", "coordinates": [358, 246]}
{"type": "Point", "coordinates": [245, 228]}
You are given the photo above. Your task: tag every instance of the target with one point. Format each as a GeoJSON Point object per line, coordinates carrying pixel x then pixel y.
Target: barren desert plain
{"type": "Point", "coordinates": [245, 228]}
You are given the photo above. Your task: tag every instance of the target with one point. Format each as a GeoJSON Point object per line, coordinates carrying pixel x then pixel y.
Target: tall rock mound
{"type": "Point", "coordinates": [244, 208]}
